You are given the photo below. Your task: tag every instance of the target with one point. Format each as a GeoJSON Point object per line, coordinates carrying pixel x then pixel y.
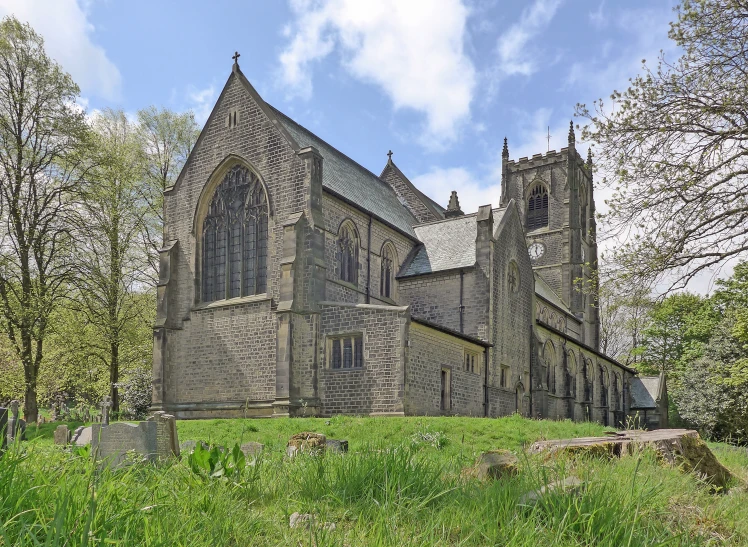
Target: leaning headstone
{"type": "Point", "coordinates": [62, 435]}
{"type": "Point", "coordinates": [336, 446]}
{"type": "Point", "coordinates": [82, 436]}
{"type": "Point", "coordinates": [313, 443]}
{"type": "Point", "coordinates": [3, 426]}
{"type": "Point", "coordinates": [112, 443]}
{"type": "Point", "coordinates": [252, 449]}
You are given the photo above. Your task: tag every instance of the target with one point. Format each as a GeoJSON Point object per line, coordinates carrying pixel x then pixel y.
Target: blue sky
{"type": "Point", "coordinates": [440, 82]}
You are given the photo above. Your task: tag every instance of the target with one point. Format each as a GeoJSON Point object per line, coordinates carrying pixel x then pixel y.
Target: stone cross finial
{"type": "Point", "coordinates": [389, 155]}
{"type": "Point", "coordinates": [105, 405]}
{"type": "Point", "coordinates": [235, 57]}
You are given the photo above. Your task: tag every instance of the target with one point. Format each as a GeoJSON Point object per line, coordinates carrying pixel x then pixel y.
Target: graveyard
{"type": "Point", "coordinates": [350, 480]}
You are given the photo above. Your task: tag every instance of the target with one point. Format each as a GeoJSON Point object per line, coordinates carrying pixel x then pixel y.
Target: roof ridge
{"type": "Point", "coordinates": [461, 217]}
{"type": "Point", "coordinates": [346, 156]}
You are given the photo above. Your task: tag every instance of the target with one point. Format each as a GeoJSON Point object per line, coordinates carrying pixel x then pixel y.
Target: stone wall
{"type": "Point", "coordinates": [377, 387]}
{"type": "Point", "coordinates": [431, 351]}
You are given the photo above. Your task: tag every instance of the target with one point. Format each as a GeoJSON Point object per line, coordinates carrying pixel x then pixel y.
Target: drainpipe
{"type": "Point", "coordinates": [462, 308]}
{"type": "Point", "coordinates": [532, 360]}
{"type": "Point", "coordinates": [485, 382]}
{"type": "Point", "coordinates": [368, 265]}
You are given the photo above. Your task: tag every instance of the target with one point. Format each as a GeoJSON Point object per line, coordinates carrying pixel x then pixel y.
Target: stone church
{"type": "Point", "coordinates": [294, 281]}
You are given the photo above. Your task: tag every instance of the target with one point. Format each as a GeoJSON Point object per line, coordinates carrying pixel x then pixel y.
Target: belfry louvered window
{"type": "Point", "coordinates": [387, 274]}
{"type": "Point", "coordinates": [348, 254]}
{"type": "Point", "coordinates": [537, 208]}
{"type": "Point", "coordinates": [235, 238]}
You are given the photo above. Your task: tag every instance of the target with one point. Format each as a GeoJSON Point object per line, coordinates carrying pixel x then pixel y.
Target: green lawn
{"type": "Point", "coordinates": [400, 484]}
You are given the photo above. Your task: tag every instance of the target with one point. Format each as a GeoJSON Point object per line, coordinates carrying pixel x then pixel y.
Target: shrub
{"type": "Point", "coordinates": [136, 394]}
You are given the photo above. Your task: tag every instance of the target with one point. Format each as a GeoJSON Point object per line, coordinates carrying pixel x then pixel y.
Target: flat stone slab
{"type": "Point", "coordinates": [566, 486]}
{"type": "Point", "coordinates": [252, 449]}
{"type": "Point", "coordinates": [682, 448]}
{"type": "Point", "coordinates": [336, 446]}
{"type": "Point", "coordinates": [83, 436]}
{"type": "Point", "coordinates": [493, 465]}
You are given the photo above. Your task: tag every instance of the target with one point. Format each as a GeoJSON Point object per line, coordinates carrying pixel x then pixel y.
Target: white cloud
{"type": "Point", "coordinates": [514, 48]}
{"type": "Point", "coordinates": [598, 18]}
{"type": "Point", "coordinates": [472, 190]}
{"type": "Point", "coordinates": [201, 102]}
{"type": "Point", "coordinates": [412, 50]}
{"type": "Point", "coordinates": [67, 35]}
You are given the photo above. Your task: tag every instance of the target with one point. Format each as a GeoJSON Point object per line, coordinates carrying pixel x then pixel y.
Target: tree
{"type": "Point", "coordinates": [167, 139]}
{"type": "Point", "coordinates": [676, 148]}
{"type": "Point", "coordinates": [112, 257]}
{"type": "Point", "coordinates": [42, 134]}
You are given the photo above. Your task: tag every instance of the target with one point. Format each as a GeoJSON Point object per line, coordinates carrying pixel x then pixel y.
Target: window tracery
{"type": "Point", "coordinates": [387, 274]}
{"type": "Point", "coordinates": [234, 238]}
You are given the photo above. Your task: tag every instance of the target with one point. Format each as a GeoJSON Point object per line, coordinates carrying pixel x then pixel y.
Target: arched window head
{"type": "Point", "coordinates": [348, 253]}
{"type": "Point", "coordinates": [235, 238]}
{"type": "Point", "coordinates": [549, 357]}
{"type": "Point", "coordinates": [537, 207]}
{"type": "Point", "coordinates": [387, 275]}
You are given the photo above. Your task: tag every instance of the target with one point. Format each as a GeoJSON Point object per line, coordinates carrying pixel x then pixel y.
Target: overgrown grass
{"type": "Point", "coordinates": [388, 490]}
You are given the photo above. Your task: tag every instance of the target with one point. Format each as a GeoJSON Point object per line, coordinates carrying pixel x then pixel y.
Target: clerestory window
{"type": "Point", "coordinates": [234, 238]}
{"type": "Point", "coordinates": [537, 208]}
{"type": "Point", "coordinates": [348, 254]}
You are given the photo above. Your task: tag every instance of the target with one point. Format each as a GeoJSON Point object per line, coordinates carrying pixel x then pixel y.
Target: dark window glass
{"type": "Point", "coordinates": [235, 238]}
{"type": "Point", "coordinates": [387, 272]}
{"type": "Point", "coordinates": [359, 362]}
{"type": "Point", "coordinates": [348, 255]}
{"type": "Point", "coordinates": [336, 354]}
{"type": "Point", "coordinates": [347, 353]}
{"type": "Point", "coordinates": [537, 208]}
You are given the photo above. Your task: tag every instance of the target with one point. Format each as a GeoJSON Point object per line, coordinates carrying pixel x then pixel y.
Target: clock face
{"type": "Point", "coordinates": [536, 250]}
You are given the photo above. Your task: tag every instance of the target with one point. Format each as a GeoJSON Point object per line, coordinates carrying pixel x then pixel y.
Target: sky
{"type": "Point", "coordinates": [439, 82]}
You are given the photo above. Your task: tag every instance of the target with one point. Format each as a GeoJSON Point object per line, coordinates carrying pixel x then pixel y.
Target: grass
{"type": "Point", "coordinates": [400, 484]}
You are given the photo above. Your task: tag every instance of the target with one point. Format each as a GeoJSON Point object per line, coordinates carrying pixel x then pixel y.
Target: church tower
{"type": "Point", "coordinates": [558, 213]}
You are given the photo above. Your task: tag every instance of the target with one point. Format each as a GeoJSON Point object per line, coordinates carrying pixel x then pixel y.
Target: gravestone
{"type": "Point", "coordinates": [105, 405]}
{"type": "Point", "coordinates": [16, 426]}
{"type": "Point", "coordinates": [155, 439]}
{"type": "Point", "coordinates": [252, 449]}
{"type": "Point", "coordinates": [166, 434]}
{"type": "Point", "coordinates": [312, 443]}
{"type": "Point", "coordinates": [112, 443]}
{"type": "Point", "coordinates": [3, 426]}
{"type": "Point", "coordinates": [62, 435]}
{"type": "Point", "coordinates": [336, 446]}
{"type": "Point", "coordinates": [82, 436]}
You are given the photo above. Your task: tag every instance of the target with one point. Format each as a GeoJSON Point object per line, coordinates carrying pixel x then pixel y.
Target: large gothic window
{"type": "Point", "coordinates": [348, 253]}
{"type": "Point", "coordinates": [537, 207]}
{"type": "Point", "coordinates": [235, 238]}
{"type": "Point", "coordinates": [387, 278]}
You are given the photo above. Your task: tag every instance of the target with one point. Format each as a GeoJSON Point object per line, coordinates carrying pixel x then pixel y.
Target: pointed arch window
{"type": "Point", "coordinates": [234, 238]}
{"type": "Point", "coordinates": [387, 275]}
{"type": "Point", "coordinates": [537, 207]}
{"type": "Point", "coordinates": [348, 253]}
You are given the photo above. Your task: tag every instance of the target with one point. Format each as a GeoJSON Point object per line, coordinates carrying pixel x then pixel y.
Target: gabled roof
{"type": "Point", "coordinates": [544, 290]}
{"type": "Point", "coordinates": [435, 209]}
{"type": "Point", "coordinates": [347, 179]}
{"type": "Point", "coordinates": [446, 245]}
{"type": "Point", "coordinates": [645, 391]}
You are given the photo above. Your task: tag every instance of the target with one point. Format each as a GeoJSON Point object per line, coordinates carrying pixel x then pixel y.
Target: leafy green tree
{"type": "Point", "coordinates": [166, 138]}
{"type": "Point", "coordinates": [676, 148]}
{"type": "Point", "coordinates": [112, 257]}
{"type": "Point", "coordinates": [42, 138]}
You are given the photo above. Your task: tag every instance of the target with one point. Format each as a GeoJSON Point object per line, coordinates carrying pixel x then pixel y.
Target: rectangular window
{"type": "Point", "coordinates": [504, 381]}
{"type": "Point", "coordinates": [446, 393]}
{"type": "Point", "coordinates": [472, 362]}
{"type": "Point", "coordinates": [346, 352]}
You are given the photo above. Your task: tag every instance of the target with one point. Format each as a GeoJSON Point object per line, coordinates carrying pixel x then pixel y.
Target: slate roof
{"type": "Point", "coordinates": [544, 290]}
{"type": "Point", "coordinates": [644, 391]}
{"type": "Point", "coordinates": [351, 181]}
{"type": "Point", "coordinates": [446, 244]}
